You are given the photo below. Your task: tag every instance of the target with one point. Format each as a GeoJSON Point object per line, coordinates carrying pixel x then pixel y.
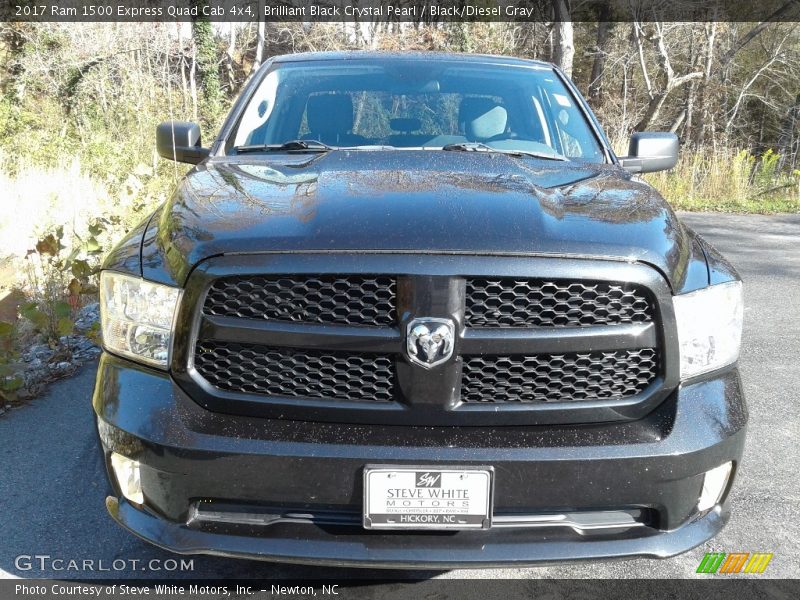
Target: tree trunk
{"type": "Point", "coordinates": [182, 58]}
{"type": "Point", "coordinates": [351, 31]}
{"type": "Point", "coordinates": [599, 64]}
{"type": "Point", "coordinates": [636, 37]}
{"type": "Point", "coordinates": [260, 38]}
{"type": "Point", "coordinates": [704, 91]}
{"type": "Point", "coordinates": [671, 81]}
{"type": "Point", "coordinates": [207, 67]}
{"type": "Point", "coordinates": [563, 44]}
{"type": "Point", "coordinates": [691, 92]}
{"type": "Point", "coordinates": [14, 41]}
{"type": "Point", "coordinates": [688, 128]}
{"type": "Point", "coordinates": [193, 83]}
{"type": "Point", "coordinates": [791, 141]}
{"type": "Point", "coordinates": [600, 51]}
{"type": "Point", "coordinates": [230, 63]}
{"type": "Point", "coordinates": [653, 110]}
{"type": "Point", "coordinates": [462, 38]}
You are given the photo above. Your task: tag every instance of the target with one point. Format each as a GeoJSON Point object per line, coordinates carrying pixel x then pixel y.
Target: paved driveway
{"type": "Point", "coordinates": [52, 486]}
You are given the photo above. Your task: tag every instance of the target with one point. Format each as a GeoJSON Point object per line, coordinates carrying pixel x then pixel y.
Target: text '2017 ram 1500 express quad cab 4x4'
{"type": "Point", "coordinates": [411, 310]}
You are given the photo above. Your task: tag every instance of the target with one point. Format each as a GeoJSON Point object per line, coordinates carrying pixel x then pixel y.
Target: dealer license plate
{"type": "Point", "coordinates": [427, 498]}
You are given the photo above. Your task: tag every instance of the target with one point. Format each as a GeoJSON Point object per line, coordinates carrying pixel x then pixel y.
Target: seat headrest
{"type": "Point", "coordinates": [330, 113]}
{"type": "Point", "coordinates": [482, 118]}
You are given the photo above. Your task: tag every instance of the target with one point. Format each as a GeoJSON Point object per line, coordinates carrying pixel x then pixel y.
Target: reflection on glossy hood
{"type": "Point", "coordinates": [417, 201]}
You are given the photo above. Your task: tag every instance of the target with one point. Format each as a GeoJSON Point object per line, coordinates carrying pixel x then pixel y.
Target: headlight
{"type": "Point", "coordinates": [137, 317]}
{"type": "Point", "coordinates": [709, 327]}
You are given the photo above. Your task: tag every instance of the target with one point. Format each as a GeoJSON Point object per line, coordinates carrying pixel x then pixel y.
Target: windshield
{"type": "Point", "coordinates": [432, 104]}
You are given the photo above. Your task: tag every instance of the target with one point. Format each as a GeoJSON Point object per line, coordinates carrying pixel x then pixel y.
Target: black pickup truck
{"type": "Point", "coordinates": [411, 310]}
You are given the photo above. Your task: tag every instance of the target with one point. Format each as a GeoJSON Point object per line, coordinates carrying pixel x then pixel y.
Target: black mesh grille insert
{"type": "Point", "coordinates": [557, 377]}
{"type": "Point", "coordinates": [541, 303]}
{"type": "Point", "coordinates": [348, 300]}
{"type": "Point", "coordinates": [296, 373]}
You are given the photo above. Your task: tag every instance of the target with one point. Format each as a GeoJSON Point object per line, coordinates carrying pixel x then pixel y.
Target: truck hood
{"type": "Point", "coordinates": [415, 201]}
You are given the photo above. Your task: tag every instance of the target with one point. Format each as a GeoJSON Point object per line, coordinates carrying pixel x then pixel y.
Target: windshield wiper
{"type": "Point", "coordinates": [290, 146]}
{"type": "Point", "coordinates": [481, 147]}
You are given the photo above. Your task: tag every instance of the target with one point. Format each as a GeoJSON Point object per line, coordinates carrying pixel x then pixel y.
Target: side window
{"type": "Point", "coordinates": [254, 121]}
{"type": "Point", "coordinates": [568, 125]}
{"type": "Point", "coordinates": [541, 122]}
{"type": "Point", "coordinates": [565, 115]}
{"type": "Point", "coordinates": [304, 130]}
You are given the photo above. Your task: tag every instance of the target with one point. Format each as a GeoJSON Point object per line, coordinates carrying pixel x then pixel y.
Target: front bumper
{"type": "Point", "coordinates": [652, 467]}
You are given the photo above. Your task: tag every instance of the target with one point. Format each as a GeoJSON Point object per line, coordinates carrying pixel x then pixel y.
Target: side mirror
{"type": "Point", "coordinates": [180, 141]}
{"type": "Point", "coordinates": [651, 151]}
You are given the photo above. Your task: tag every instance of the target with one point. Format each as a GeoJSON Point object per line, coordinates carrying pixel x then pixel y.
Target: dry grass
{"type": "Point", "coordinates": [729, 181]}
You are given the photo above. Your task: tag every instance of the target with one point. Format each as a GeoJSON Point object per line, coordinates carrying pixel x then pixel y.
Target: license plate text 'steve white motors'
{"type": "Point", "coordinates": [427, 498]}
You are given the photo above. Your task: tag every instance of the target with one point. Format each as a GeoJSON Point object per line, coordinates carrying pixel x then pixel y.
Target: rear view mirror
{"type": "Point", "coordinates": [651, 151]}
{"type": "Point", "coordinates": [180, 141]}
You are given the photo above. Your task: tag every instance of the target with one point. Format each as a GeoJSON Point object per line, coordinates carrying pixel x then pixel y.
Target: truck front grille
{"type": "Point", "coordinates": [255, 369]}
{"type": "Point", "coordinates": [542, 303]}
{"type": "Point", "coordinates": [558, 377]}
{"type": "Point", "coordinates": [531, 342]}
{"type": "Point", "coordinates": [331, 299]}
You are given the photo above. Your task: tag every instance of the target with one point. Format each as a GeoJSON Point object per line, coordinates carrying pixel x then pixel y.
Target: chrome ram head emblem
{"type": "Point", "coordinates": [429, 342]}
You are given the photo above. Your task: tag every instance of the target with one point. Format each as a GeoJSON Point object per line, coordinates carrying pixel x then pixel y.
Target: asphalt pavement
{"type": "Point", "coordinates": [52, 485]}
